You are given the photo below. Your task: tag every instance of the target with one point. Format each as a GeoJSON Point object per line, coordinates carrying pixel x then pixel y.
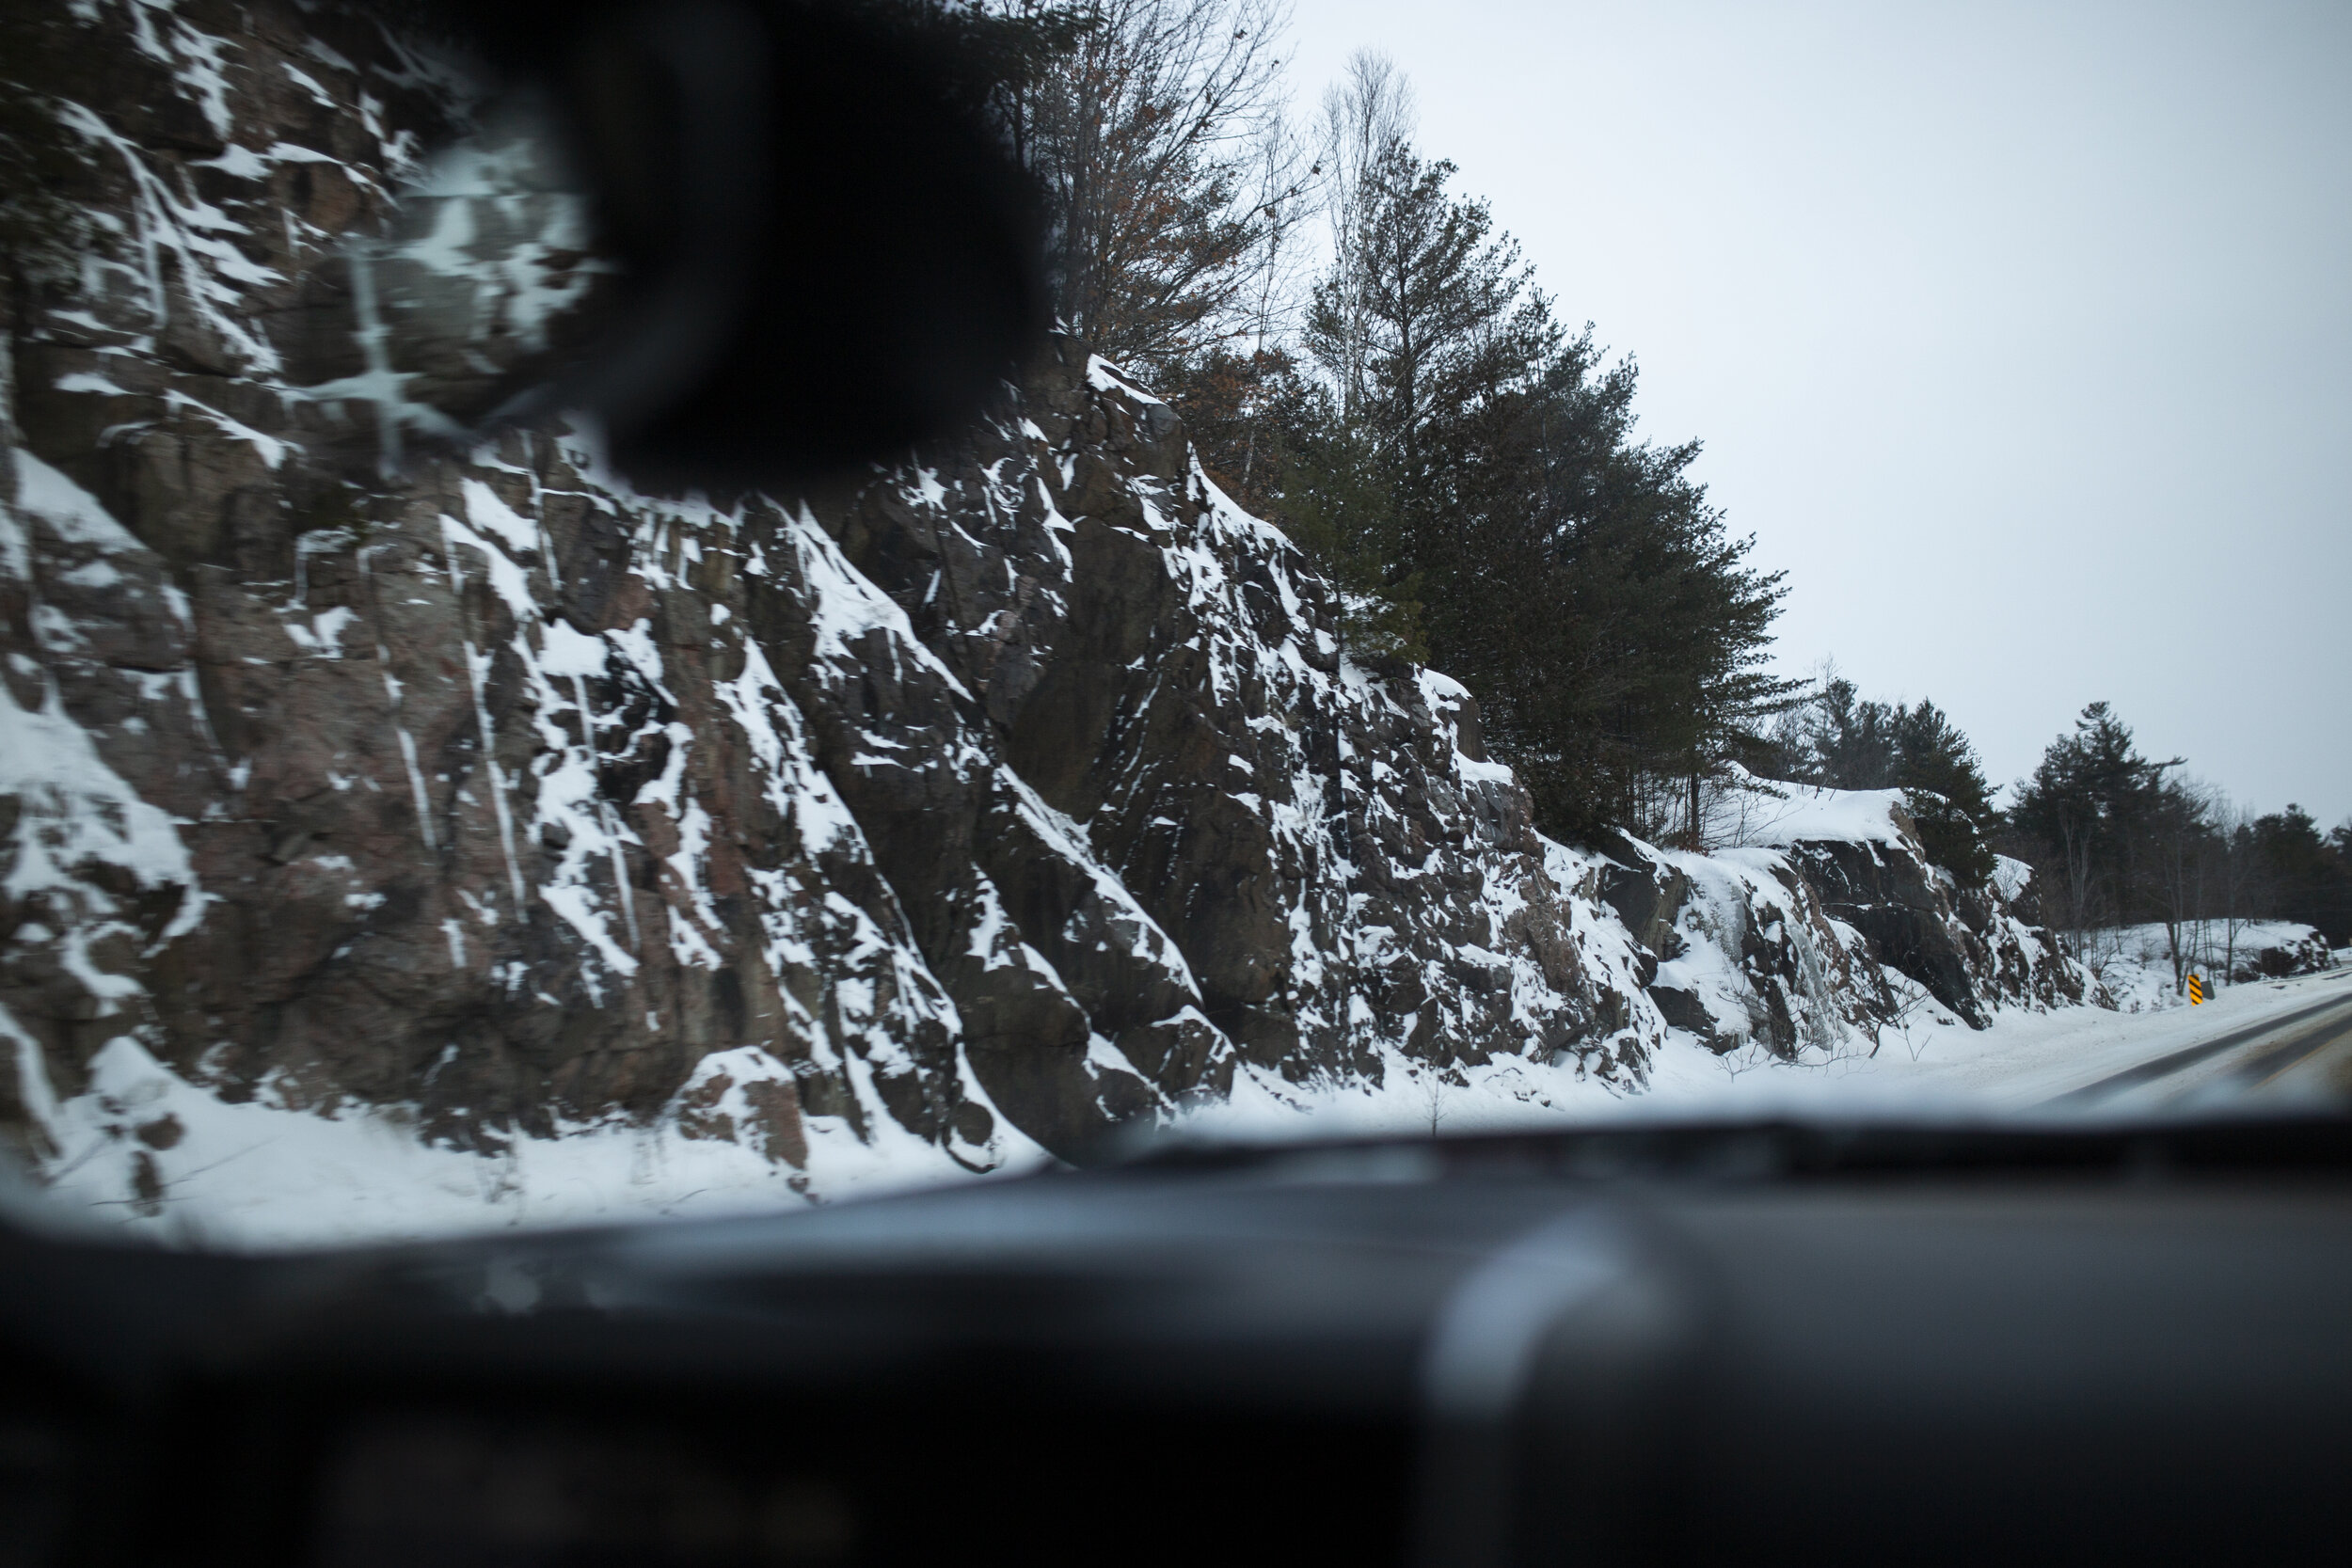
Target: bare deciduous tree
{"type": "Point", "coordinates": [2242, 882]}
{"type": "Point", "coordinates": [2182, 860]}
{"type": "Point", "coordinates": [1160, 138]}
{"type": "Point", "coordinates": [1366, 113]}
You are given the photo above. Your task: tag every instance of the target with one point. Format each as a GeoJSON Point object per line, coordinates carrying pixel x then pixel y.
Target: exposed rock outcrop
{"type": "Point", "coordinates": [2275, 955]}
{"type": "Point", "coordinates": [1015, 792]}
{"type": "Point", "coordinates": [1829, 924]}
{"type": "Point", "coordinates": [1025, 782]}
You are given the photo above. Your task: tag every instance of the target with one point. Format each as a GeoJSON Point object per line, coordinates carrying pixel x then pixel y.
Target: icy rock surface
{"type": "Point", "coordinates": [1014, 794]}
{"type": "Point", "coordinates": [1813, 947]}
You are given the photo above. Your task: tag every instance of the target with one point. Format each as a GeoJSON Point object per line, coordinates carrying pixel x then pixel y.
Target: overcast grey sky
{"type": "Point", "coordinates": [2019, 334]}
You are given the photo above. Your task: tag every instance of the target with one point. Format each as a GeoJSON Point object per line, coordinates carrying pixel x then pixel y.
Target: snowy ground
{"type": "Point", "coordinates": [2022, 1061]}
{"type": "Point", "coordinates": [258, 1176]}
{"type": "Point", "coordinates": [1925, 1067]}
{"type": "Point", "coordinates": [2135, 961]}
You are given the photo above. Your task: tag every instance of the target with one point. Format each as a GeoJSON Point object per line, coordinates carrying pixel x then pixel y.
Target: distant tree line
{"type": "Point", "coordinates": [2115, 838]}
{"type": "Point", "coordinates": [2119, 838]}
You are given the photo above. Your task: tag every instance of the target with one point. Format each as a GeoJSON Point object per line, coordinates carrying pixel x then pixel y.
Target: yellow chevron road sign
{"type": "Point", "coordinates": [2196, 990]}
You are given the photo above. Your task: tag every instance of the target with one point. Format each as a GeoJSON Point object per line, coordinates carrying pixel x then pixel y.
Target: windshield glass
{"type": "Point", "coordinates": [456, 773]}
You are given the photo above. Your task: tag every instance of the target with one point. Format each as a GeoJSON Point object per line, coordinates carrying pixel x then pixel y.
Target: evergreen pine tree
{"type": "Point", "coordinates": [2087, 818]}
{"type": "Point", "coordinates": [2311, 875]}
{"type": "Point", "coordinates": [1577, 582]}
{"type": "Point", "coordinates": [1945, 788]}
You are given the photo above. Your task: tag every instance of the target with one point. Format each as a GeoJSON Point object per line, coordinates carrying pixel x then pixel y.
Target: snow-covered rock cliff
{"type": "Point", "coordinates": [474, 837]}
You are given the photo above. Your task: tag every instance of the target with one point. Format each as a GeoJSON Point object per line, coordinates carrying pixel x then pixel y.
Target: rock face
{"type": "Point", "coordinates": [1829, 929]}
{"type": "Point", "coordinates": [2275, 955]}
{"type": "Point", "coordinates": [1025, 782]}
{"type": "Point", "coordinates": [1971, 950]}
{"type": "Point", "coordinates": [1011, 794]}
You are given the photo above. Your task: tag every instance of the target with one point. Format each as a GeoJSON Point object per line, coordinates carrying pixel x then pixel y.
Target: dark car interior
{"type": "Point", "coordinates": [1773, 1342]}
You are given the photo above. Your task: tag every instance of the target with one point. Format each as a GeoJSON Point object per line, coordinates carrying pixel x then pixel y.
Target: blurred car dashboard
{"type": "Point", "coordinates": [1758, 1342]}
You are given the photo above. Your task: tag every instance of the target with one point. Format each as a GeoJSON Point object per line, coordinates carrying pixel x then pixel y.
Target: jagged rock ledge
{"type": "Point", "coordinates": [570, 849]}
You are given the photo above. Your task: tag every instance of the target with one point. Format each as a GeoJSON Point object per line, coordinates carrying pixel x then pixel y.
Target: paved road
{"type": "Point", "coordinates": [2306, 1053]}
